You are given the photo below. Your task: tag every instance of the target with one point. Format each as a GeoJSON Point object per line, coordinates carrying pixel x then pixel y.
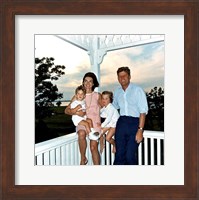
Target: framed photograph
{"type": "Point", "coordinates": [25, 79]}
{"type": "Point", "coordinates": [145, 56]}
{"type": "Point", "coordinates": [84, 182]}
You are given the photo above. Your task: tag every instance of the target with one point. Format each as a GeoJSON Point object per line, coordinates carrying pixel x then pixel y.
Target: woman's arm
{"type": "Point", "coordinates": [100, 100]}
{"type": "Point", "coordinates": [68, 110]}
{"type": "Point", "coordinates": [74, 111]}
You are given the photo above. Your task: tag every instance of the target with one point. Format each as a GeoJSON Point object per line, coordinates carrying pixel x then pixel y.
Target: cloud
{"type": "Point", "coordinates": [71, 80]}
{"type": "Point", "coordinates": [146, 63]}
{"type": "Point", "coordinates": [151, 68]}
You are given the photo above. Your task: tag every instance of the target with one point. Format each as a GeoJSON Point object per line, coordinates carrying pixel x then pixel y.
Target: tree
{"type": "Point", "coordinates": [155, 116]}
{"type": "Point", "coordinates": [45, 92]}
{"type": "Point", "coordinates": [58, 103]}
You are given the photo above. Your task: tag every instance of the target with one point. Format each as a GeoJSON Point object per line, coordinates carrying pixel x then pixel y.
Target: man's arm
{"type": "Point", "coordinates": [139, 134]}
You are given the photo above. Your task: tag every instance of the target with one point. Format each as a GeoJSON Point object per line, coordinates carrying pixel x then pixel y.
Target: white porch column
{"type": "Point", "coordinates": [94, 64]}
{"type": "Point", "coordinates": [96, 56]}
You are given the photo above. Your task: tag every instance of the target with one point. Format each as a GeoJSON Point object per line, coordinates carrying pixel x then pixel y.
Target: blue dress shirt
{"type": "Point", "coordinates": [131, 102]}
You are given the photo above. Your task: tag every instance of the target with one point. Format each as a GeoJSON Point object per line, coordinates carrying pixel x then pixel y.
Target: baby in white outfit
{"type": "Point", "coordinates": [79, 104]}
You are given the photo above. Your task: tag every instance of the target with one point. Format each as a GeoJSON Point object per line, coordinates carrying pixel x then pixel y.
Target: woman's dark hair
{"type": "Point", "coordinates": [93, 76]}
{"type": "Point", "coordinates": [110, 94]}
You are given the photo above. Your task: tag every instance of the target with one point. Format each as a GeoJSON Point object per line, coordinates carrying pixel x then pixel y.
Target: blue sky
{"type": "Point", "coordinates": [146, 63]}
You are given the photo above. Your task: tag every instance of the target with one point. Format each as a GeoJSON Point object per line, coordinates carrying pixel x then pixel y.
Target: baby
{"type": "Point", "coordinates": [79, 104]}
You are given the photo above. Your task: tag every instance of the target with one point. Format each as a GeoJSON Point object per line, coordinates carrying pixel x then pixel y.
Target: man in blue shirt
{"type": "Point", "coordinates": [131, 101]}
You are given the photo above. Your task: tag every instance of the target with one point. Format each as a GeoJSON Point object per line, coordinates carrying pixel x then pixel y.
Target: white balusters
{"type": "Point", "coordinates": [153, 151]}
{"type": "Point", "coordinates": [65, 151]}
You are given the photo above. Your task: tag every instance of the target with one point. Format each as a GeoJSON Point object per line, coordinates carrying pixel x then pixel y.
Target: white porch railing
{"type": "Point", "coordinates": [64, 150]}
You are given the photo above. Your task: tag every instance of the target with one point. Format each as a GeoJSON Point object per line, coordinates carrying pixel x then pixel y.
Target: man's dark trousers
{"type": "Point", "coordinates": [126, 145]}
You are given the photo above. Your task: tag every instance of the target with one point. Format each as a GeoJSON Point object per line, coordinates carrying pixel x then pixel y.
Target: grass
{"type": "Point", "coordinates": [58, 124]}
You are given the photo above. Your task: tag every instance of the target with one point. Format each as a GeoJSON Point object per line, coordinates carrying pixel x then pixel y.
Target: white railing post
{"type": "Point", "coordinates": [140, 154]}
{"type": "Point", "coordinates": [152, 151]}
{"type": "Point", "coordinates": [145, 150]}
{"type": "Point", "coordinates": [158, 152]}
{"type": "Point", "coordinates": [52, 157]}
{"type": "Point", "coordinates": [102, 155]}
{"type": "Point", "coordinates": [58, 158]}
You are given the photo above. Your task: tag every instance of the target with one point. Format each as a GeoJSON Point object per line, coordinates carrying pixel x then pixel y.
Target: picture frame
{"type": "Point", "coordinates": [8, 11]}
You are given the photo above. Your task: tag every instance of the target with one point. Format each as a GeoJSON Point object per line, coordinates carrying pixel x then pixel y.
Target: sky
{"type": "Point", "coordinates": [146, 63]}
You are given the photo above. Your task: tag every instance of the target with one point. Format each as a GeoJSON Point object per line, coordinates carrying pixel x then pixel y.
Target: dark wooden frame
{"type": "Point", "coordinates": [190, 10]}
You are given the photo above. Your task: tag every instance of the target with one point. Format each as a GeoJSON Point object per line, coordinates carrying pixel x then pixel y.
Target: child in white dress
{"type": "Point", "coordinates": [110, 116]}
{"type": "Point", "coordinates": [79, 104]}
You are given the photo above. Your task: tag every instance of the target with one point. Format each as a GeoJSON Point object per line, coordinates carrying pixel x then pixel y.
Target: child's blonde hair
{"type": "Point", "coordinates": [80, 87]}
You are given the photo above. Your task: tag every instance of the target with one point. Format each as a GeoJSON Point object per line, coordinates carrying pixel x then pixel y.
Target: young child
{"type": "Point", "coordinates": [109, 116]}
{"type": "Point", "coordinates": [79, 104]}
